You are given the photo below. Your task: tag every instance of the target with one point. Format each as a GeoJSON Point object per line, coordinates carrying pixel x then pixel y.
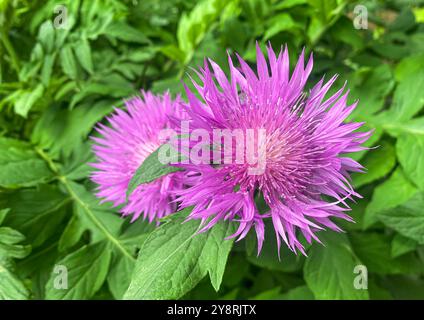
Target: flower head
{"type": "Point", "coordinates": [304, 179]}
{"type": "Point", "coordinates": [131, 137]}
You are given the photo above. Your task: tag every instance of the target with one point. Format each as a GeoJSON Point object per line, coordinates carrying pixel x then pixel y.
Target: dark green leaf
{"type": "Point", "coordinates": [20, 165]}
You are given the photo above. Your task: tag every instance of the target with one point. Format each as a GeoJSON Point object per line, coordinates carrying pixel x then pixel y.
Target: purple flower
{"type": "Point", "coordinates": [305, 181]}
{"type": "Point", "coordinates": [122, 148]}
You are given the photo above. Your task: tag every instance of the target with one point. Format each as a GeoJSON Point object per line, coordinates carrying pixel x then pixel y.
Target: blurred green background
{"type": "Point", "coordinates": [65, 64]}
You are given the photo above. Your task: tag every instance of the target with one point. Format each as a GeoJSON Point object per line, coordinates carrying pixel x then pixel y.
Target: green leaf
{"type": "Point", "coordinates": [152, 168]}
{"type": "Point", "coordinates": [298, 293]}
{"type": "Point", "coordinates": [374, 250]}
{"type": "Point", "coordinates": [343, 32]}
{"type": "Point", "coordinates": [19, 165]}
{"type": "Point", "coordinates": [402, 245]}
{"type": "Point", "coordinates": [174, 259]}
{"type": "Point", "coordinates": [410, 65]}
{"type": "Point", "coordinates": [329, 269]}
{"type": "Point", "coordinates": [68, 63]}
{"type": "Point", "coordinates": [37, 267]}
{"type": "Point", "coordinates": [407, 219]}
{"type": "Point", "coordinates": [408, 98]}
{"type": "Point", "coordinates": [9, 242]}
{"type": "Point", "coordinates": [371, 86]}
{"type": "Point", "coordinates": [126, 32]}
{"type": "Point", "coordinates": [86, 271]}
{"type": "Point", "coordinates": [3, 214]}
{"type": "Point", "coordinates": [46, 36]}
{"type": "Point", "coordinates": [62, 131]}
{"type": "Point", "coordinates": [46, 71]}
{"type": "Point", "coordinates": [76, 166]}
{"type": "Point", "coordinates": [289, 4]}
{"type": "Point", "coordinates": [396, 129]}
{"type": "Point", "coordinates": [135, 234]}
{"type": "Point", "coordinates": [35, 212]}
{"type": "Point", "coordinates": [419, 14]}
{"type": "Point", "coordinates": [27, 98]}
{"type": "Point", "coordinates": [271, 294]}
{"type": "Point", "coordinates": [9, 247]}
{"type": "Point", "coordinates": [193, 27]}
{"type": "Point", "coordinates": [377, 163]}
{"type": "Point", "coordinates": [83, 53]}
{"type": "Point", "coordinates": [405, 287]}
{"type": "Point", "coordinates": [119, 276]}
{"type": "Point", "coordinates": [279, 23]}
{"type": "Point", "coordinates": [11, 287]}
{"type": "Point", "coordinates": [377, 292]}
{"type": "Point", "coordinates": [410, 150]}
{"type": "Point", "coordinates": [392, 192]}
{"type": "Point", "coordinates": [112, 85]}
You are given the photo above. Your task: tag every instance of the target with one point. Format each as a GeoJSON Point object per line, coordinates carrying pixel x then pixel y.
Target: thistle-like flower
{"type": "Point", "coordinates": [305, 175]}
{"type": "Point", "coordinates": [124, 145]}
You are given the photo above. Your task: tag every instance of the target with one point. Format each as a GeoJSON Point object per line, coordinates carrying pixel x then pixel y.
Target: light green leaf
{"type": "Point", "coordinates": [86, 271]}
{"type": "Point", "coordinates": [410, 150]}
{"type": "Point", "coordinates": [9, 247]}
{"type": "Point", "coordinates": [174, 259]}
{"type": "Point", "coordinates": [192, 27]}
{"type": "Point", "coordinates": [47, 69]}
{"type": "Point", "coordinates": [68, 63]}
{"type": "Point", "coordinates": [408, 66]}
{"type": "Point", "coordinates": [46, 36]}
{"type": "Point", "coordinates": [407, 219]}
{"type": "Point", "coordinates": [271, 294]}
{"type": "Point", "coordinates": [289, 4]}
{"type": "Point", "coordinates": [152, 168]}
{"type": "Point", "coordinates": [126, 32]}
{"type": "Point", "coordinates": [11, 288]}
{"type": "Point", "coordinates": [83, 53]}
{"type": "Point", "coordinates": [392, 192]}
{"type": "Point", "coordinates": [396, 129]}
{"type": "Point", "coordinates": [377, 163]}
{"type": "Point", "coordinates": [371, 86]}
{"type": "Point", "coordinates": [419, 14]}
{"type": "Point", "coordinates": [279, 23]}
{"type": "Point", "coordinates": [408, 98]}
{"type": "Point", "coordinates": [3, 214]}
{"type": "Point", "coordinates": [27, 98]}
{"type": "Point", "coordinates": [298, 293]}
